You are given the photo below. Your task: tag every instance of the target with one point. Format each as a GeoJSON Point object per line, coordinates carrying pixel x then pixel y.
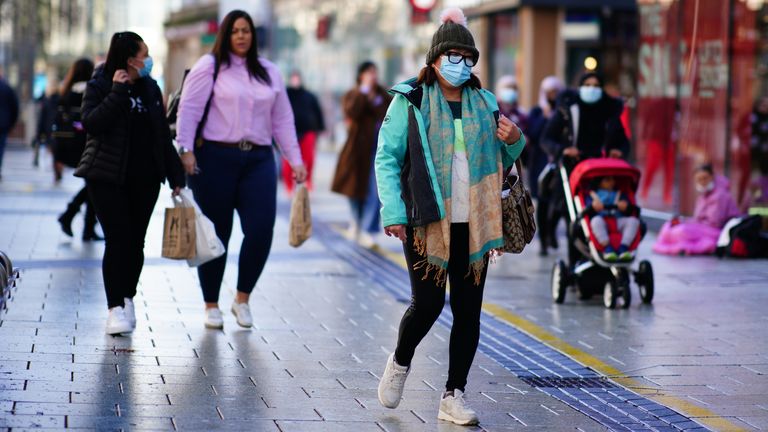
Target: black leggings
{"type": "Point", "coordinates": [427, 300]}
{"type": "Point", "coordinates": [124, 213]}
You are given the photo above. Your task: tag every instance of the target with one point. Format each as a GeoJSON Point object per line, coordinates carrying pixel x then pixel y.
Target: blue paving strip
{"type": "Point", "coordinates": [615, 408]}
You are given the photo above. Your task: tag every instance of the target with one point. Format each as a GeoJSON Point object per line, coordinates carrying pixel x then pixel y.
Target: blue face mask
{"type": "Point", "coordinates": [590, 95]}
{"type": "Point", "coordinates": [455, 74]}
{"type": "Point", "coordinates": [147, 69]}
{"type": "Point", "coordinates": [508, 95]}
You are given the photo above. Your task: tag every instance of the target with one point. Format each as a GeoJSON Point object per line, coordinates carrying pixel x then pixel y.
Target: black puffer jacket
{"type": "Point", "coordinates": [106, 119]}
{"type": "Point", "coordinates": [564, 127]}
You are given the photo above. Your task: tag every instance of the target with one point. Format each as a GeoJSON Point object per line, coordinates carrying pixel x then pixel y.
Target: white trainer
{"type": "Point", "coordinates": [242, 312]}
{"type": "Point", "coordinates": [214, 319]}
{"type": "Point", "coordinates": [130, 311]}
{"type": "Point", "coordinates": [366, 240]}
{"type": "Point", "coordinates": [392, 383]}
{"type": "Point", "coordinates": [117, 322]}
{"type": "Point", "coordinates": [453, 408]}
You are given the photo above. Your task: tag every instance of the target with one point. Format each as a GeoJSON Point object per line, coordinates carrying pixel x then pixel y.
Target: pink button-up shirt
{"type": "Point", "coordinates": [243, 108]}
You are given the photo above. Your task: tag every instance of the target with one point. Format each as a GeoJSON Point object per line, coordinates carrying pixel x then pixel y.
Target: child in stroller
{"type": "Point", "coordinates": [605, 201]}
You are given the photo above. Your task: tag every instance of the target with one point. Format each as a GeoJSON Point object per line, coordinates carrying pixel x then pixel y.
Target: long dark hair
{"type": "Point", "coordinates": [123, 46]}
{"type": "Point", "coordinates": [81, 70]}
{"type": "Point", "coordinates": [428, 76]}
{"type": "Point", "coordinates": [223, 46]}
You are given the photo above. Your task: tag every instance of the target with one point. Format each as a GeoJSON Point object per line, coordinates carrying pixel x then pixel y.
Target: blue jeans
{"type": "Point", "coordinates": [230, 180]}
{"type": "Point", "coordinates": [365, 212]}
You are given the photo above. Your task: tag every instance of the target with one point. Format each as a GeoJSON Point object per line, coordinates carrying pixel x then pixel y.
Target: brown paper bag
{"type": "Point", "coordinates": [179, 233]}
{"type": "Point", "coordinates": [301, 218]}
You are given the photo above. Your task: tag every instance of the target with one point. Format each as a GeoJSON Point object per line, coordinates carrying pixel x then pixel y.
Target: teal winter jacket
{"type": "Point", "coordinates": [405, 173]}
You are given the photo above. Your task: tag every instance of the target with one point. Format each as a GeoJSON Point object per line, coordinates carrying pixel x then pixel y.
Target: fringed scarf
{"type": "Point", "coordinates": [485, 177]}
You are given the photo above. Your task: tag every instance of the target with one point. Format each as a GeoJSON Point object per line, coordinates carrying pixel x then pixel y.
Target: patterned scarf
{"type": "Point", "coordinates": [485, 178]}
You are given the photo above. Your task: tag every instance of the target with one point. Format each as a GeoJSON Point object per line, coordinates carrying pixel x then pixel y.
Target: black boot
{"type": "Point", "coordinates": [65, 220]}
{"type": "Point", "coordinates": [89, 231]}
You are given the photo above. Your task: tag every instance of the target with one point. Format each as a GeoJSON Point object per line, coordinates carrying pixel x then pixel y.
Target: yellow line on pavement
{"type": "Point", "coordinates": [702, 415]}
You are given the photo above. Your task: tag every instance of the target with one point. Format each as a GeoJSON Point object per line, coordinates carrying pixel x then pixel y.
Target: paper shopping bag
{"type": "Point", "coordinates": [179, 233]}
{"type": "Point", "coordinates": [301, 218]}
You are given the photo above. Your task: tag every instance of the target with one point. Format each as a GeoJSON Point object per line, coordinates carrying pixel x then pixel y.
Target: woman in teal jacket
{"type": "Point", "coordinates": [442, 152]}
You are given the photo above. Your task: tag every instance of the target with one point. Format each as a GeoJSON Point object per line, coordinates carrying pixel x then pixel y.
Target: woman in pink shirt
{"type": "Point", "coordinates": [232, 106]}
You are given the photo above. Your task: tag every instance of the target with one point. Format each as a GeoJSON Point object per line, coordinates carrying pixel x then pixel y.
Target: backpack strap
{"type": "Point", "coordinates": [204, 119]}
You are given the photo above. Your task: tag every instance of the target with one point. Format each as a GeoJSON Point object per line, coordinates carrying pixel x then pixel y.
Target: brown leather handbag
{"type": "Point", "coordinates": [518, 221]}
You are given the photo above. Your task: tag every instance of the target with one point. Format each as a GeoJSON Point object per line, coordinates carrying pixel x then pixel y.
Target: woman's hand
{"type": "Point", "coordinates": [299, 173]}
{"type": "Point", "coordinates": [571, 152]}
{"type": "Point", "coordinates": [121, 76]}
{"type": "Point", "coordinates": [615, 154]}
{"type": "Point", "coordinates": [190, 163]}
{"type": "Point", "coordinates": [507, 130]}
{"type": "Point", "coordinates": [396, 231]}
{"type": "Point", "coordinates": [176, 191]}
{"type": "Point", "coordinates": [622, 206]}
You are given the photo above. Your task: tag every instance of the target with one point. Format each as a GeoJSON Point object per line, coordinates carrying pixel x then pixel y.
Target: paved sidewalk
{"type": "Point", "coordinates": [326, 317]}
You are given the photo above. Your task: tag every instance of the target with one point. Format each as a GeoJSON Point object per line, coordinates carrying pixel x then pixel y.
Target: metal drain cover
{"type": "Point", "coordinates": [560, 382]}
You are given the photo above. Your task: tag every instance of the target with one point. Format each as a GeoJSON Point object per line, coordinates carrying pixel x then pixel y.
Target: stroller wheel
{"type": "Point", "coordinates": [610, 293]}
{"type": "Point", "coordinates": [559, 281]}
{"type": "Point", "coordinates": [644, 279]}
{"type": "Point", "coordinates": [626, 293]}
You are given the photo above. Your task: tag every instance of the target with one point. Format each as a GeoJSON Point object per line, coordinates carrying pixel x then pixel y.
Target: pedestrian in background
{"type": "Point", "coordinates": [508, 98]}
{"type": "Point", "coordinates": [538, 158]}
{"type": "Point", "coordinates": [586, 124]}
{"type": "Point", "coordinates": [69, 137]}
{"type": "Point", "coordinates": [231, 166]}
{"type": "Point", "coordinates": [9, 113]}
{"type": "Point", "coordinates": [364, 110]}
{"type": "Point", "coordinates": [128, 154]}
{"type": "Point", "coordinates": [309, 124]}
{"type": "Point", "coordinates": [48, 104]}
{"type": "Point", "coordinates": [714, 207]}
{"type": "Point", "coordinates": [439, 169]}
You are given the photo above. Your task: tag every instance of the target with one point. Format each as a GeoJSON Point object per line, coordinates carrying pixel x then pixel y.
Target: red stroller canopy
{"type": "Point", "coordinates": [593, 168]}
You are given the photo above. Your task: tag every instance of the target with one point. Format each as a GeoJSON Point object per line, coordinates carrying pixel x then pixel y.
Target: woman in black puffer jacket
{"type": "Point", "coordinates": [128, 154]}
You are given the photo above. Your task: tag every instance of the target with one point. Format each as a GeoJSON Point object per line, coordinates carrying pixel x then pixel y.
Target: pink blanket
{"type": "Point", "coordinates": [691, 238]}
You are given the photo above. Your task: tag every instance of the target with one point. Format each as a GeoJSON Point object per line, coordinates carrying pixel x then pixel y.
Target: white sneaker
{"type": "Point", "coordinates": [130, 311]}
{"type": "Point", "coordinates": [353, 231]}
{"type": "Point", "coordinates": [366, 240]}
{"type": "Point", "coordinates": [242, 313]}
{"type": "Point", "coordinates": [392, 383]}
{"type": "Point", "coordinates": [117, 322]}
{"type": "Point", "coordinates": [454, 409]}
{"type": "Point", "coordinates": [214, 319]}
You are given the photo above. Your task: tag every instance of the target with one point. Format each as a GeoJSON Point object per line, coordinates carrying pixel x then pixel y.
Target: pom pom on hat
{"type": "Point", "coordinates": [454, 15]}
{"type": "Point", "coordinates": [452, 34]}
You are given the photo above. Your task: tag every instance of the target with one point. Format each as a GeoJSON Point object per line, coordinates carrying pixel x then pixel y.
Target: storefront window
{"type": "Point", "coordinates": [700, 73]}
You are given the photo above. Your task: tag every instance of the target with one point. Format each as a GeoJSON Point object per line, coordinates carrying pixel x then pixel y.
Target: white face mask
{"type": "Point", "coordinates": [589, 94]}
{"type": "Point", "coordinates": [706, 188]}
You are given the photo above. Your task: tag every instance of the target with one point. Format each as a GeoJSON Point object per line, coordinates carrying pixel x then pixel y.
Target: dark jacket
{"type": "Point", "coordinates": [563, 129]}
{"type": "Point", "coordinates": [306, 111]}
{"type": "Point", "coordinates": [353, 171]}
{"type": "Point", "coordinates": [67, 130]}
{"type": "Point", "coordinates": [9, 107]}
{"type": "Point", "coordinates": [106, 119]}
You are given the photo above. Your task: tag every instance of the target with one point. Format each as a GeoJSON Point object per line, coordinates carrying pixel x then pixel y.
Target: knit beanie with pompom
{"type": "Point", "coordinates": [452, 34]}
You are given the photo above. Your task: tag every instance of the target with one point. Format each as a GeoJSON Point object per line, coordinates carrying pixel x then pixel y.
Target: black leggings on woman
{"type": "Point", "coordinates": [427, 300]}
{"type": "Point", "coordinates": [124, 213]}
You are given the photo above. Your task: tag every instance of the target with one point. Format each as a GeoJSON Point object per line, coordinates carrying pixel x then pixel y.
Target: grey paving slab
{"type": "Point", "coordinates": [311, 362]}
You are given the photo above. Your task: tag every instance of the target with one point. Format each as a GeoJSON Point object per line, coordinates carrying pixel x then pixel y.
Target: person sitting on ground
{"type": "Point", "coordinates": [714, 207]}
{"type": "Point", "coordinates": [602, 196]}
